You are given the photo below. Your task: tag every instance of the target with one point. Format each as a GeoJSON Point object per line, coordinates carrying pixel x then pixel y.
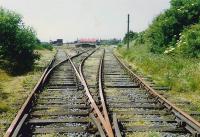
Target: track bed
{"type": "Point", "coordinates": [137, 112]}
{"type": "Point", "coordinates": [90, 92]}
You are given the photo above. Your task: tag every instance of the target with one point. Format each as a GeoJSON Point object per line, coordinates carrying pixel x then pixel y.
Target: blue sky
{"type": "Point", "coordinates": [72, 19]}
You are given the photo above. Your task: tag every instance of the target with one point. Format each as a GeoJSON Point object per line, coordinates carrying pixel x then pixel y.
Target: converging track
{"type": "Point", "coordinates": [91, 92]}
{"type": "Point", "coordinates": [60, 107]}
{"type": "Point", "coordinates": [136, 110]}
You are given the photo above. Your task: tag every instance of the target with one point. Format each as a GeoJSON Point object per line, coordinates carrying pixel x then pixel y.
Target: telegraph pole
{"type": "Point", "coordinates": [128, 32]}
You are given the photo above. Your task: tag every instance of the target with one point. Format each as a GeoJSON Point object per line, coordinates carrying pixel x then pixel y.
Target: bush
{"type": "Point", "coordinates": [41, 46]}
{"type": "Point", "coordinates": [165, 29]}
{"type": "Point", "coordinates": [140, 39]}
{"type": "Point", "coordinates": [189, 43]}
{"type": "Point", "coordinates": [178, 73]}
{"type": "Point", "coordinates": [17, 43]}
{"type": "Point", "coordinates": [132, 36]}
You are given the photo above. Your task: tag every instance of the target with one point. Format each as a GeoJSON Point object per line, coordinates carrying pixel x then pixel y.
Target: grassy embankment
{"type": "Point", "coordinates": [15, 89]}
{"type": "Point", "coordinates": [178, 73]}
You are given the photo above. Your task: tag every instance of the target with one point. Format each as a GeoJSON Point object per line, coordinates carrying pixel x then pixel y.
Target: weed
{"type": "Point", "coordinates": [144, 134]}
{"type": "Point", "coordinates": [3, 107]}
{"type": "Point", "coordinates": [179, 73]}
{"type": "Point", "coordinates": [15, 89]}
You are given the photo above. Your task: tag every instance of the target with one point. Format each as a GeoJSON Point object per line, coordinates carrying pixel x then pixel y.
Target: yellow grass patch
{"type": "Point", "coordinates": [15, 89]}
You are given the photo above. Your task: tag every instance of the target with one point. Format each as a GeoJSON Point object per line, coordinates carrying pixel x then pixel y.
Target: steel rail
{"type": "Point", "coordinates": [105, 112]}
{"type": "Point", "coordinates": [106, 123]}
{"type": "Point", "coordinates": [26, 107]}
{"type": "Point", "coordinates": [184, 119]}
{"type": "Point", "coordinates": [116, 126]}
{"type": "Point", "coordinates": [60, 63]}
{"type": "Point", "coordinates": [93, 104]}
{"type": "Point", "coordinates": [27, 103]}
{"type": "Point", "coordinates": [98, 124]}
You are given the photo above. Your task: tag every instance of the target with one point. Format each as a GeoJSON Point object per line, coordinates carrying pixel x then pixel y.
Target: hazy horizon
{"type": "Point", "coordinates": [72, 19]}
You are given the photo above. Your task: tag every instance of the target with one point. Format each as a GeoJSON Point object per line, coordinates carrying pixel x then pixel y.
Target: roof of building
{"type": "Point", "coordinates": [87, 40]}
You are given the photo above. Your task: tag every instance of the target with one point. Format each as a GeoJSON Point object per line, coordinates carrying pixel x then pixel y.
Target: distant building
{"type": "Point", "coordinates": [58, 42]}
{"type": "Point", "coordinates": [85, 45]}
{"type": "Point", "coordinates": [86, 42]}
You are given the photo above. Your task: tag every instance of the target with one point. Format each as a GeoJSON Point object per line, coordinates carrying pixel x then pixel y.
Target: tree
{"type": "Point", "coordinates": [189, 43]}
{"type": "Point", "coordinates": [132, 36]}
{"type": "Point", "coordinates": [17, 43]}
{"type": "Point", "coordinates": [166, 28]}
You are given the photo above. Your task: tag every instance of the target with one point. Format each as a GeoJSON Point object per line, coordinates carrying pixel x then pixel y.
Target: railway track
{"type": "Point", "coordinates": [93, 93]}
{"type": "Point", "coordinates": [61, 108]}
{"type": "Point", "coordinates": [58, 108]}
{"type": "Point", "coordinates": [138, 108]}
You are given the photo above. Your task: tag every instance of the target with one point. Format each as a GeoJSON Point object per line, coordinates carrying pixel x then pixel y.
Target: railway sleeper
{"type": "Point", "coordinates": [66, 129]}
{"type": "Point", "coordinates": [154, 120]}
{"type": "Point", "coordinates": [61, 86]}
{"type": "Point", "coordinates": [138, 105]}
{"type": "Point", "coordinates": [59, 99]}
{"type": "Point", "coordinates": [62, 83]}
{"type": "Point", "coordinates": [120, 86]}
{"type": "Point", "coordinates": [158, 128]}
{"type": "Point", "coordinates": [131, 101]}
{"type": "Point", "coordinates": [68, 89]}
{"type": "Point", "coordinates": [59, 120]}
{"type": "Point", "coordinates": [61, 113]}
{"type": "Point", "coordinates": [143, 112]}
{"type": "Point", "coordinates": [67, 106]}
{"type": "Point", "coordinates": [47, 102]}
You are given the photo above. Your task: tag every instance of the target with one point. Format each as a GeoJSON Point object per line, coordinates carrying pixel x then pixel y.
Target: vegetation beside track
{"type": "Point", "coordinates": [178, 73]}
{"type": "Point", "coordinates": [18, 43]}
{"type": "Point", "coordinates": [168, 51]}
{"type": "Point", "coordinates": [15, 89]}
{"type": "Point", "coordinates": [176, 31]}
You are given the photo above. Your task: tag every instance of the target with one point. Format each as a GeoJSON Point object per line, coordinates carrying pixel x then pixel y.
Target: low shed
{"type": "Point", "coordinates": [86, 45]}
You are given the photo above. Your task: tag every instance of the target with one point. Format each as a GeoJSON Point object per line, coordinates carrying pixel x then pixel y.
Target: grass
{"type": "Point", "coordinates": [143, 134]}
{"type": "Point", "coordinates": [139, 122]}
{"type": "Point", "coordinates": [181, 74]}
{"type": "Point", "coordinates": [48, 135]}
{"type": "Point", "coordinates": [43, 46]}
{"type": "Point", "coordinates": [15, 89]}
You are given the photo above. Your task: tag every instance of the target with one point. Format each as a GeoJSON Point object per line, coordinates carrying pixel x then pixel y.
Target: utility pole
{"type": "Point", "coordinates": [128, 33]}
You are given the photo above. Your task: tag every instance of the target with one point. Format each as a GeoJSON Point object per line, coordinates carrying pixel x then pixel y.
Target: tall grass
{"type": "Point", "coordinates": [15, 89]}
{"type": "Point", "coordinates": [43, 46]}
{"type": "Point", "coordinates": [179, 73]}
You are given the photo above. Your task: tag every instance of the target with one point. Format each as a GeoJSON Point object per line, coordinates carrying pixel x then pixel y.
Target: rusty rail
{"type": "Point", "coordinates": [93, 104]}
{"type": "Point", "coordinates": [103, 103]}
{"type": "Point", "coordinates": [101, 88]}
{"type": "Point", "coordinates": [105, 112]}
{"type": "Point", "coordinates": [182, 118]}
{"type": "Point", "coordinates": [26, 107]}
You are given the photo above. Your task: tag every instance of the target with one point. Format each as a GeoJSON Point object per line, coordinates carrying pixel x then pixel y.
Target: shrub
{"type": "Point", "coordinates": [132, 36]}
{"type": "Point", "coordinates": [140, 39]}
{"type": "Point", "coordinates": [189, 43]}
{"type": "Point", "coordinates": [17, 43]}
{"type": "Point", "coordinates": [178, 73]}
{"type": "Point", "coordinates": [165, 29]}
{"type": "Point", "coordinates": [41, 46]}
